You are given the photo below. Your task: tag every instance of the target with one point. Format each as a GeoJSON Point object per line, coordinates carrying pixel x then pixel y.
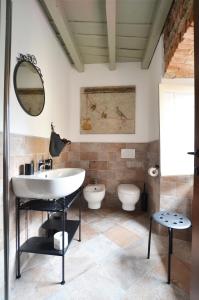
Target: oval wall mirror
{"type": "Point", "coordinates": [28, 84]}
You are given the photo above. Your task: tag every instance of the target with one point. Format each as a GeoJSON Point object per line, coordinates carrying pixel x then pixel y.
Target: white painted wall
{"type": "Point", "coordinates": [147, 98]}
{"type": "Point", "coordinates": [157, 71]}
{"type": "Point", "coordinates": [99, 75]}
{"type": "Point", "coordinates": [176, 127]}
{"type": "Point", "coordinates": [32, 34]}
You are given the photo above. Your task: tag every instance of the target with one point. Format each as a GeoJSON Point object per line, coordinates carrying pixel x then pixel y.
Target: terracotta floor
{"type": "Point", "coordinates": [109, 264]}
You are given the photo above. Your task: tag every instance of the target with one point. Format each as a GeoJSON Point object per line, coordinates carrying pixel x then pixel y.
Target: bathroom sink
{"type": "Point", "coordinates": [52, 184]}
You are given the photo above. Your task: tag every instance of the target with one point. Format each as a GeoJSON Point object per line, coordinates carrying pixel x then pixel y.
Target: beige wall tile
{"type": "Point", "coordinates": [73, 147]}
{"type": "Point", "coordinates": [112, 156]}
{"type": "Point", "coordinates": [112, 147]}
{"type": "Point", "coordinates": [98, 165]}
{"type": "Point", "coordinates": [88, 156]}
{"type": "Point", "coordinates": [90, 147]}
{"type": "Point", "coordinates": [102, 156]}
{"type": "Point", "coordinates": [117, 165]}
{"type": "Point", "coordinates": [72, 155]}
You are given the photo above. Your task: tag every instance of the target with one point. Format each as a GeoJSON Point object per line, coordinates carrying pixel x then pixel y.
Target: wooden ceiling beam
{"type": "Point", "coordinates": [63, 27]}
{"type": "Point", "coordinates": [156, 30]}
{"type": "Point", "coordinates": [111, 31]}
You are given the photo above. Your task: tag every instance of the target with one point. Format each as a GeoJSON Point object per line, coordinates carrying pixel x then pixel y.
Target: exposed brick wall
{"type": "Point", "coordinates": [178, 40]}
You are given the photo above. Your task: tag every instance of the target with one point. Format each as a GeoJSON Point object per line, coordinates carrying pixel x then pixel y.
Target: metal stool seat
{"type": "Point", "coordinates": [171, 220]}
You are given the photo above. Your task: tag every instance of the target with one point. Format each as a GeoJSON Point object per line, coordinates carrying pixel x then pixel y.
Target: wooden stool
{"type": "Point", "coordinates": [171, 220]}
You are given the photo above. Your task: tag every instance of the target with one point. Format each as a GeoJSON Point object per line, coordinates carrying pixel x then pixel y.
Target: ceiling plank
{"type": "Point", "coordinates": [137, 30]}
{"type": "Point", "coordinates": [94, 50]}
{"type": "Point", "coordinates": [131, 42]}
{"type": "Point", "coordinates": [91, 40]}
{"type": "Point", "coordinates": [156, 30]}
{"type": "Point", "coordinates": [88, 28]}
{"type": "Point", "coordinates": [63, 27]}
{"type": "Point", "coordinates": [135, 11]}
{"type": "Point", "coordinates": [128, 59]}
{"type": "Point", "coordinates": [95, 59]}
{"type": "Point", "coordinates": [130, 53]}
{"type": "Point", "coordinates": [111, 30]}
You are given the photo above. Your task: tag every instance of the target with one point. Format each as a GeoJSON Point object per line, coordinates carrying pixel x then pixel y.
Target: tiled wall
{"type": "Point", "coordinates": [103, 162]}
{"type": "Point", "coordinates": [176, 194]}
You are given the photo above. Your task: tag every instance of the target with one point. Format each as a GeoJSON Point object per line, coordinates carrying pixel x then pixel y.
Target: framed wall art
{"type": "Point", "coordinates": [107, 110]}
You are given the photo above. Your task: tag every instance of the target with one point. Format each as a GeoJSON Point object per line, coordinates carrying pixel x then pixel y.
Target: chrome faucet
{"type": "Point", "coordinates": [41, 165]}
{"type": "Point", "coordinates": [45, 164]}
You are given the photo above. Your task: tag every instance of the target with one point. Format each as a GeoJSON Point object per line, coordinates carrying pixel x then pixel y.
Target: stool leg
{"type": "Point", "coordinates": [171, 241]}
{"type": "Point", "coordinates": [149, 240]}
{"type": "Point", "coordinates": [170, 230]}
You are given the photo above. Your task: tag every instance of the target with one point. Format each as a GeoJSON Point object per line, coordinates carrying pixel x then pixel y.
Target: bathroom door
{"type": "Point", "coordinates": [2, 46]}
{"type": "Point", "coordinates": [5, 49]}
{"type": "Point", "coordinates": [195, 208]}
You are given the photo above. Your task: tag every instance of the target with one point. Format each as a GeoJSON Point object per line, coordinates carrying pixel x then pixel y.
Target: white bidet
{"type": "Point", "coordinates": [94, 194]}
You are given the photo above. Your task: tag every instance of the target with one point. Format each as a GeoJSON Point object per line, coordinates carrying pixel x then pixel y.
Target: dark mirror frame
{"type": "Point", "coordinates": [32, 60]}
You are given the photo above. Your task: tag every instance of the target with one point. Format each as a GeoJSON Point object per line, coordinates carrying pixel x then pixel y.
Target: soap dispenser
{"type": "Point", "coordinates": [29, 168]}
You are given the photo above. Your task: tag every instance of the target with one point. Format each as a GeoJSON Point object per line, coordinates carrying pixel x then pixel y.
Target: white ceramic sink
{"type": "Point", "coordinates": [52, 184]}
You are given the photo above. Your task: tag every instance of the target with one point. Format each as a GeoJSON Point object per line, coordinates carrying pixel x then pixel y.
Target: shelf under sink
{"type": "Point", "coordinates": [45, 245]}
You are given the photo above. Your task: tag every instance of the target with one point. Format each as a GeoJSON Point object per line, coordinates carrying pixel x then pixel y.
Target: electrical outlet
{"type": "Point", "coordinates": [127, 153]}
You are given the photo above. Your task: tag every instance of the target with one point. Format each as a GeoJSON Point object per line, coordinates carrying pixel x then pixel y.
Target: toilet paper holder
{"type": "Point", "coordinates": [154, 171]}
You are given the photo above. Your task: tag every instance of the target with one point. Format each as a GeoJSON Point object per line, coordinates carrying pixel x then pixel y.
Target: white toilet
{"type": "Point", "coordinates": [129, 195]}
{"type": "Point", "coordinates": [94, 194]}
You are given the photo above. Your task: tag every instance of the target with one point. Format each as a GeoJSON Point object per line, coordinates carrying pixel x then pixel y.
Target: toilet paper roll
{"type": "Point", "coordinates": [153, 172]}
{"type": "Point", "coordinates": [58, 240]}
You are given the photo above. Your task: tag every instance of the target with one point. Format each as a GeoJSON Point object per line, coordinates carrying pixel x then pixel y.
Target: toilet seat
{"type": "Point", "coordinates": [129, 195]}
{"type": "Point", "coordinates": [128, 189]}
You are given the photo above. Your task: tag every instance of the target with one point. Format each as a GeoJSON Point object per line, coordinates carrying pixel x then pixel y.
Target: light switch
{"type": "Point", "coordinates": [127, 153]}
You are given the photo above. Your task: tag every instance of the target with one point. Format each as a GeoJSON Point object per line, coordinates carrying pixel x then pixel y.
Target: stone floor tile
{"type": "Point", "coordinates": [152, 289]}
{"type": "Point", "coordinates": [93, 285]}
{"type": "Point", "coordinates": [109, 264]}
{"type": "Point", "coordinates": [135, 226]}
{"type": "Point", "coordinates": [100, 247]}
{"type": "Point", "coordinates": [102, 225]}
{"type": "Point", "coordinates": [91, 216]}
{"type": "Point", "coordinates": [88, 232]}
{"type": "Point", "coordinates": [122, 236]}
{"type": "Point", "coordinates": [181, 274]}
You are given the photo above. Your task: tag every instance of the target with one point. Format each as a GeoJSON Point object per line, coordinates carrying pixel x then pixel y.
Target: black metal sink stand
{"type": "Point", "coordinates": [45, 245]}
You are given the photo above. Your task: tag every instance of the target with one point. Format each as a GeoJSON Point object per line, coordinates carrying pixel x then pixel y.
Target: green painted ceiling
{"type": "Point", "coordinates": [107, 31]}
{"type": "Point", "coordinates": [87, 20]}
